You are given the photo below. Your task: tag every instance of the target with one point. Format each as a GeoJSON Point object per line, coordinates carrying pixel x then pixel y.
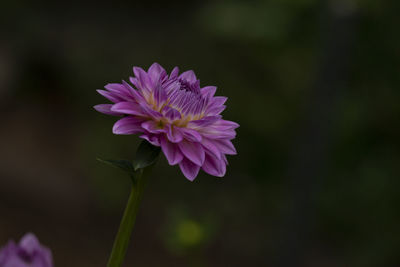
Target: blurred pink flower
{"type": "Point", "coordinates": [27, 253]}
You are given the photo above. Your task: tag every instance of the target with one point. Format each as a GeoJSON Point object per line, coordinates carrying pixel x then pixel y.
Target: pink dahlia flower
{"type": "Point", "coordinates": [173, 112]}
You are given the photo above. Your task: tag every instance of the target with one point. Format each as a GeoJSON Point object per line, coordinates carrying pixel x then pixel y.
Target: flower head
{"type": "Point", "coordinates": [174, 112]}
{"type": "Point", "coordinates": [27, 253]}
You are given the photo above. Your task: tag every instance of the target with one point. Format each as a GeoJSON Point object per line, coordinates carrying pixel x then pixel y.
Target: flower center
{"type": "Point", "coordinates": [187, 100]}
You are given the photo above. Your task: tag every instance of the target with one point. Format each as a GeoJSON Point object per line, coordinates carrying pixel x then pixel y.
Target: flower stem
{"type": "Point", "coordinates": [128, 220]}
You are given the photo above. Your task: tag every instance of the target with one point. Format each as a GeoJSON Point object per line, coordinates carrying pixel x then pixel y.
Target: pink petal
{"type": "Point", "coordinates": [193, 151]}
{"type": "Point", "coordinates": [208, 91]}
{"type": "Point", "coordinates": [156, 73]}
{"type": "Point", "coordinates": [204, 121]}
{"type": "Point", "coordinates": [119, 90]}
{"type": "Point", "coordinates": [174, 134]}
{"type": "Point", "coordinates": [128, 125]}
{"type": "Point", "coordinates": [225, 146]}
{"type": "Point", "coordinates": [152, 127]}
{"type": "Point", "coordinates": [127, 108]}
{"type": "Point", "coordinates": [144, 81]}
{"type": "Point", "coordinates": [106, 109]}
{"type": "Point", "coordinates": [149, 111]}
{"type": "Point", "coordinates": [171, 113]}
{"type": "Point", "coordinates": [191, 135]}
{"type": "Point", "coordinates": [171, 151]}
{"type": "Point", "coordinates": [214, 166]}
{"type": "Point", "coordinates": [188, 76]}
{"type": "Point", "coordinates": [227, 125]}
{"type": "Point", "coordinates": [174, 73]}
{"type": "Point", "coordinates": [152, 139]}
{"type": "Point", "coordinates": [189, 169]}
{"type": "Point", "coordinates": [215, 110]}
{"type": "Point", "coordinates": [134, 93]}
{"type": "Point", "coordinates": [216, 133]}
{"type": "Point", "coordinates": [218, 100]}
{"type": "Point", "coordinates": [135, 82]}
{"type": "Point", "coordinates": [110, 96]}
{"type": "Point", "coordinates": [160, 95]}
{"type": "Point", "coordinates": [211, 148]}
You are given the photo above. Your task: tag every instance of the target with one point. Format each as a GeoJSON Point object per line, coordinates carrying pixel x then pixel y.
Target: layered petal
{"type": "Point", "coordinates": [144, 81]}
{"type": "Point", "coordinates": [174, 73]}
{"type": "Point", "coordinates": [134, 93]}
{"type": "Point", "coordinates": [191, 135]}
{"type": "Point", "coordinates": [153, 127]}
{"type": "Point", "coordinates": [106, 109]}
{"type": "Point", "coordinates": [208, 91]}
{"type": "Point", "coordinates": [110, 96]}
{"type": "Point", "coordinates": [189, 169]}
{"type": "Point", "coordinates": [206, 121]}
{"type": "Point", "coordinates": [127, 108]}
{"type": "Point", "coordinates": [171, 113]}
{"type": "Point", "coordinates": [225, 146]}
{"type": "Point", "coordinates": [214, 166]}
{"type": "Point", "coordinates": [152, 139]}
{"type": "Point", "coordinates": [188, 76]}
{"type": "Point", "coordinates": [174, 134]}
{"type": "Point", "coordinates": [119, 90]}
{"type": "Point", "coordinates": [193, 151]}
{"type": "Point", "coordinates": [128, 125]}
{"type": "Point", "coordinates": [156, 73]}
{"type": "Point", "coordinates": [171, 151]}
{"type": "Point", "coordinates": [210, 147]}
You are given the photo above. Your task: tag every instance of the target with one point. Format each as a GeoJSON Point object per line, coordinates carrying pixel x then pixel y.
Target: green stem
{"type": "Point", "coordinates": [128, 220]}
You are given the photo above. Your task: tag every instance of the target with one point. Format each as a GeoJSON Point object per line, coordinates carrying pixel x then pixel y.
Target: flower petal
{"type": "Point", "coordinates": [149, 111]}
{"type": "Point", "coordinates": [216, 133]}
{"type": "Point", "coordinates": [160, 95]}
{"type": "Point", "coordinates": [225, 146]}
{"type": "Point", "coordinates": [174, 134]}
{"type": "Point", "coordinates": [208, 91]}
{"type": "Point", "coordinates": [128, 125]}
{"type": "Point", "coordinates": [127, 108]}
{"type": "Point", "coordinates": [215, 106]}
{"type": "Point", "coordinates": [106, 109]}
{"type": "Point", "coordinates": [174, 73]}
{"type": "Point", "coordinates": [152, 127]}
{"type": "Point", "coordinates": [143, 79]}
{"type": "Point", "coordinates": [171, 151]}
{"type": "Point", "coordinates": [135, 82]}
{"type": "Point", "coordinates": [214, 166]}
{"type": "Point", "coordinates": [204, 121]}
{"type": "Point", "coordinates": [193, 151]}
{"type": "Point", "coordinates": [191, 135]}
{"type": "Point", "coordinates": [134, 93]}
{"type": "Point", "coordinates": [189, 169]}
{"type": "Point", "coordinates": [227, 125]}
{"type": "Point", "coordinates": [215, 110]}
{"type": "Point", "coordinates": [156, 73]}
{"type": "Point", "coordinates": [110, 96]}
{"type": "Point", "coordinates": [210, 147]}
{"type": "Point", "coordinates": [152, 139]}
{"type": "Point", "coordinates": [188, 76]}
{"type": "Point", "coordinates": [171, 113]}
{"type": "Point", "coordinates": [218, 101]}
{"type": "Point", "coordinates": [118, 89]}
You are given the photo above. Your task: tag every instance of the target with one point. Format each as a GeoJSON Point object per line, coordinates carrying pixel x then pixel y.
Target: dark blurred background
{"type": "Point", "coordinates": [313, 84]}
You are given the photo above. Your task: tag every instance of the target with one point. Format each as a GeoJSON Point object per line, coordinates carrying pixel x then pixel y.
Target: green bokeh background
{"type": "Point", "coordinates": [267, 57]}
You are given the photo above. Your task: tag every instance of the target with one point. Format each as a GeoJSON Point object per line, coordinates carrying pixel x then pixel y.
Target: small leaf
{"type": "Point", "coordinates": [146, 155]}
{"type": "Point", "coordinates": [122, 164]}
